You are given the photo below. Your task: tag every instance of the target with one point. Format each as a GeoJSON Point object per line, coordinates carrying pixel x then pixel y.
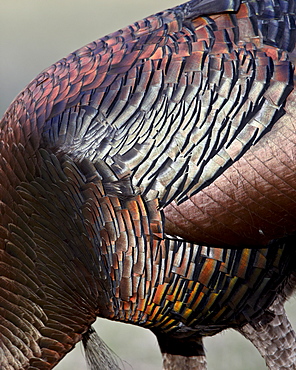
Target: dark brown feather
{"type": "Point", "coordinates": [149, 178]}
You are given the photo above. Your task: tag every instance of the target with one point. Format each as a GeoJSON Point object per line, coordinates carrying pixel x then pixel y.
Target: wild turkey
{"type": "Point", "coordinates": [149, 178]}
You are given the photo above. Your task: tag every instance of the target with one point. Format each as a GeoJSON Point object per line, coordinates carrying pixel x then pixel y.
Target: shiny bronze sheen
{"type": "Point", "coordinates": [149, 178]}
{"type": "Point", "coordinates": [252, 202]}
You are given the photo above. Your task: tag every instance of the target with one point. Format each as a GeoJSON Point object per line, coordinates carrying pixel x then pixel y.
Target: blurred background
{"type": "Point", "coordinates": [37, 33]}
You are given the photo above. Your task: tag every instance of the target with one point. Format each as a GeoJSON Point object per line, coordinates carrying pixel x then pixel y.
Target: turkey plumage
{"type": "Point", "coordinates": [149, 178]}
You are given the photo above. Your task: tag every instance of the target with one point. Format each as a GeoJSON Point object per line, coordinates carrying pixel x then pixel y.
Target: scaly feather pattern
{"type": "Point", "coordinates": [149, 178]}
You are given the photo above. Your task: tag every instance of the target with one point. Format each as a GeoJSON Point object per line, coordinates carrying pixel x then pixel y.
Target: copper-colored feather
{"type": "Point", "coordinates": [149, 178]}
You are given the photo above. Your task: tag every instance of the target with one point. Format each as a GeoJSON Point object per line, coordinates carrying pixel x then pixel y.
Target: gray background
{"type": "Point", "coordinates": [35, 34]}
